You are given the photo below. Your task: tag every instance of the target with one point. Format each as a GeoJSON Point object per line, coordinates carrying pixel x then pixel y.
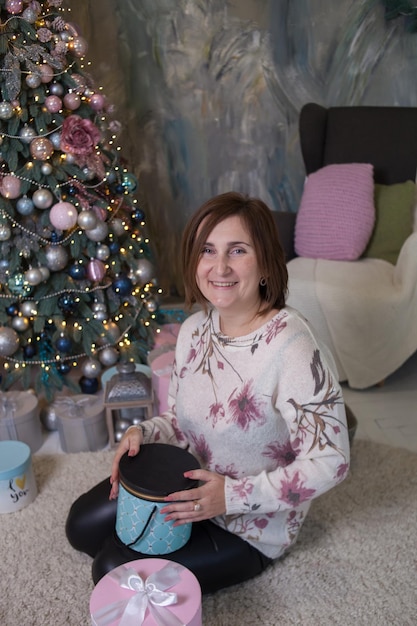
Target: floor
{"type": "Point", "coordinates": [386, 414]}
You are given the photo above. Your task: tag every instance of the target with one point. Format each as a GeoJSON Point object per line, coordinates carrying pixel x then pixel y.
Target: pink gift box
{"type": "Point", "coordinates": [139, 590]}
{"type": "Point", "coordinates": [161, 375]}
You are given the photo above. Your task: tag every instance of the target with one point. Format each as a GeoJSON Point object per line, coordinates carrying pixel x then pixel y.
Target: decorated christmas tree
{"type": "Point", "coordinates": [77, 290]}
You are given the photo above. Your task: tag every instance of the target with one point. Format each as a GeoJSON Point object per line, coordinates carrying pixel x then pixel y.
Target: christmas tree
{"type": "Point", "coordinates": [77, 290]}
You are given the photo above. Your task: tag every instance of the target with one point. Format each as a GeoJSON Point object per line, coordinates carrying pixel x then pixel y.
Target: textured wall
{"type": "Point", "coordinates": [210, 91]}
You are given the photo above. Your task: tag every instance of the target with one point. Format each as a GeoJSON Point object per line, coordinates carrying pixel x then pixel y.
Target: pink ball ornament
{"type": "Point", "coordinates": [41, 148]}
{"type": "Point", "coordinates": [72, 101]}
{"type": "Point", "coordinates": [10, 187]}
{"type": "Point", "coordinates": [53, 104]}
{"type": "Point", "coordinates": [63, 215]}
{"type": "Point", "coordinates": [14, 6]}
{"type": "Point", "coordinates": [96, 270]}
{"type": "Point", "coordinates": [46, 73]}
{"type": "Point", "coordinates": [97, 102]}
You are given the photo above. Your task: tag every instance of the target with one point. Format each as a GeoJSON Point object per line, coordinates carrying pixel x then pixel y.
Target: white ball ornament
{"type": "Point", "coordinates": [42, 198]}
{"type": "Point", "coordinates": [63, 215]}
{"type": "Point", "coordinates": [9, 341]}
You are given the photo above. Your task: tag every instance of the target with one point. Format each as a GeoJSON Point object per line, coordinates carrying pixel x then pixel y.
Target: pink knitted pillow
{"type": "Point", "coordinates": [337, 212]}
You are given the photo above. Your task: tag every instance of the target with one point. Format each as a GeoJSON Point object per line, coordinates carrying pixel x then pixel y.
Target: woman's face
{"type": "Point", "coordinates": [228, 274]}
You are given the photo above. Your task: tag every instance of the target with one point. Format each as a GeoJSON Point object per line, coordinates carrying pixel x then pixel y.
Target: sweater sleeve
{"type": "Point", "coordinates": [309, 399]}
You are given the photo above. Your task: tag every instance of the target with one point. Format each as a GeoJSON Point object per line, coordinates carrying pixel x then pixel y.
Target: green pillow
{"type": "Point", "coordinates": [394, 206]}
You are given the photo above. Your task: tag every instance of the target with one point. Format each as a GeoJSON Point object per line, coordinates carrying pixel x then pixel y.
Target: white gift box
{"type": "Point", "coordinates": [81, 422]}
{"type": "Point", "coordinates": [19, 418]}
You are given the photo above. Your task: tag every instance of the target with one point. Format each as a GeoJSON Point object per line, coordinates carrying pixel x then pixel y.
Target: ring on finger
{"type": "Point", "coordinates": [197, 506]}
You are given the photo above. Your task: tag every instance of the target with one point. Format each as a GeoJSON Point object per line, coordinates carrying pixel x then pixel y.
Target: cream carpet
{"type": "Point", "coordinates": [355, 562]}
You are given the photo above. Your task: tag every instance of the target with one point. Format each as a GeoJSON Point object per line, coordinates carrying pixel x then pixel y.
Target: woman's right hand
{"type": "Point", "coordinates": [130, 443]}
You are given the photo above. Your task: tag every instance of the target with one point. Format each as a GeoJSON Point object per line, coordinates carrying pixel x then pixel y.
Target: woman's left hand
{"type": "Point", "coordinates": [194, 505]}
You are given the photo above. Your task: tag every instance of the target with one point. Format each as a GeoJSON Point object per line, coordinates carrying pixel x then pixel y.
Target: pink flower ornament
{"type": "Point", "coordinates": [79, 136]}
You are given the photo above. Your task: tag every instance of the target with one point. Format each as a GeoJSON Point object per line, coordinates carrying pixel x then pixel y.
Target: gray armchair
{"type": "Point", "coordinates": [364, 309]}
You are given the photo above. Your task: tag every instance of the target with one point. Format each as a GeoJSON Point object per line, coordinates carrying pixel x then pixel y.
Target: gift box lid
{"type": "Point", "coordinates": [20, 404]}
{"type": "Point", "coordinates": [14, 459]}
{"type": "Point", "coordinates": [121, 586]}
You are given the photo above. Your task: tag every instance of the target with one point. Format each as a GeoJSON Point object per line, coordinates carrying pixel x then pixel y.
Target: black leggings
{"type": "Point", "coordinates": [216, 557]}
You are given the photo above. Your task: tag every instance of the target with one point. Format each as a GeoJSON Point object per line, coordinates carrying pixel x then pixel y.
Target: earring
{"type": "Point", "coordinates": [262, 282]}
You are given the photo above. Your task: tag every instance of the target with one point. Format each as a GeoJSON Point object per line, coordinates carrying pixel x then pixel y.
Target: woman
{"type": "Point", "coordinates": [253, 395]}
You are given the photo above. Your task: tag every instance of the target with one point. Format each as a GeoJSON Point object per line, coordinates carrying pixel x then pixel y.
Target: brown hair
{"type": "Point", "coordinates": [259, 222]}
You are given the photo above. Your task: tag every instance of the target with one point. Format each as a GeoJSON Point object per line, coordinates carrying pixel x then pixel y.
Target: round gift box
{"type": "Point", "coordinates": [109, 598]}
{"type": "Point", "coordinates": [17, 481]}
{"type": "Point", "coordinates": [145, 480]}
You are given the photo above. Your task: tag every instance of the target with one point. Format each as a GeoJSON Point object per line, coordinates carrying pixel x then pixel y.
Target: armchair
{"type": "Point", "coordinates": [363, 306]}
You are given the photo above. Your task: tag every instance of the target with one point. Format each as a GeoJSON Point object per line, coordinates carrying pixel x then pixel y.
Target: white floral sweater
{"type": "Point", "coordinates": [264, 410]}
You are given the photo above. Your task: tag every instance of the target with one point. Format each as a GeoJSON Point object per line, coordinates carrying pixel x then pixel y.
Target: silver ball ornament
{"type": "Point", "coordinates": [46, 169]}
{"type": "Point", "coordinates": [151, 305]}
{"type": "Point", "coordinates": [42, 198]}
{"type": "Point", "coordinates": [49, 418]}
{"type": "Point", "coordinates": [56, 258]}
{"type": "Point", "coordinates": [56, 140]}
{"type": "Point", "coordinates": [5, 232]}
{"type": "Point", "coordinates": [117, 226]}
{"type": "Point", "coordinates": [91, 368]}
{"type": "Point", "coordinates": [30, 15]}
{"type": "Point", "coordinates": [6, 111]}
{"type": "Point", "coordinates": [27, 134]}
{"type": "Point", "coordinates": [98, 233]}
{"type": "Point", "coordinates": [102, 252]}
{"type": "Point", "coordinates": [9, 341]}
{"type": "Point", "coordinates": [28, 308]}
{"type": "Point", "coordinates": [87, 220]}
{"type": "Point", "coordinates": [33, 276]}
{"type": "Point", "coordinates": [56, 89]}
{"type": "Point", "coordinates": [143, 272]}
{"type": "Point", "coordinates": [45, 272]}
{"type": "Point", "coordinates": [33, 80]}
{"type": "Point", "coordinates": [20, 323]}
{"type": "Point", "coordinates": [108, 357]}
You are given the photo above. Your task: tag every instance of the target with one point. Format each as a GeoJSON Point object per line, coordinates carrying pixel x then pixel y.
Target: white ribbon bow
{"type": "Point", "coordinates": [150, 594]}
{"type": "Point", "coordinates": [74, 407]}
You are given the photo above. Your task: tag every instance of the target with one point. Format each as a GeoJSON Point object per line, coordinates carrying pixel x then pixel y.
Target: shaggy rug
{"type": "Point", "coordinates": [355, 562]}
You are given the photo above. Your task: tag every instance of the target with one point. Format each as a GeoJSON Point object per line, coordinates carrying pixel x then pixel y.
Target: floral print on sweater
{"type": "Point", "coordinates": [264, 410]}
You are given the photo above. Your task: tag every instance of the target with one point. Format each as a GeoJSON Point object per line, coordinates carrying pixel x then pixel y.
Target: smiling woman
{"type": "Point", "coordinates": [253, 396]}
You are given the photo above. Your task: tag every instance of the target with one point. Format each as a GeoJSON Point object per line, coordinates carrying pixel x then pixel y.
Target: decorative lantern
{"type": "Point", "coordinates": [128, 400]}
